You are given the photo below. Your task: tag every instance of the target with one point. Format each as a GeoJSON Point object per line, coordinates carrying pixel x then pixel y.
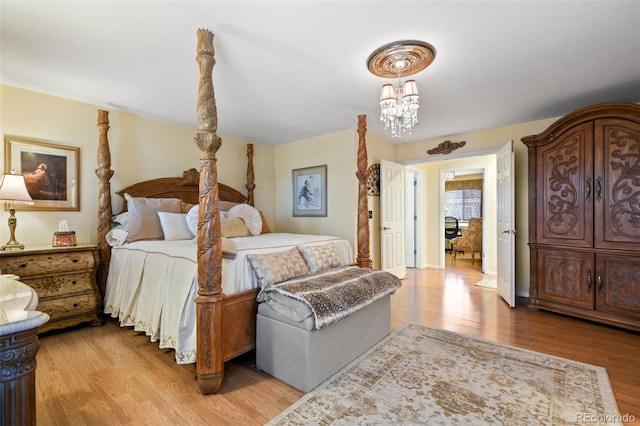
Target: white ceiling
{"type": "Point", "coordinates": [291, 70]}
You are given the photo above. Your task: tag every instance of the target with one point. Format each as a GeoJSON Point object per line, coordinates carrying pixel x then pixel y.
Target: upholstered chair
{"type": "Point", "coordinates": [471, 239]}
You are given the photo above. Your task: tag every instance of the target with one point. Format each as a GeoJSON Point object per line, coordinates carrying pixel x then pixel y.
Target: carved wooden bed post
{"type": "Point", "coordinates": [210, 357]}
{"type": "Point", "coordinates": [104, 174]}
{"type": "Point", "coordinates": [364, 258]}
{"type": "Point", "coordinates": [250, 176]}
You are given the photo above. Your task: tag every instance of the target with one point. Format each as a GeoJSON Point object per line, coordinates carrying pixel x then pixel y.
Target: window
{"type": "Point", "coordinates": [463, 199]}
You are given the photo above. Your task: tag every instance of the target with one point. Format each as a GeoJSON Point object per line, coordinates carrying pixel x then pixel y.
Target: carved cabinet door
{"type": "Point", "coordinates": [617, 184]}
{"type": "Point", "coordinates": [564, 199]}
{"type": "Point", "coordinates": [566, 277]}
{"type": "Point", "coordinates": [618, 285]}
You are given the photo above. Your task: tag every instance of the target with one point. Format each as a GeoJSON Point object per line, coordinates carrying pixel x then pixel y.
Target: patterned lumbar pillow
{"type": "Point", "coordinates": [273, 268]}
{"type": "Point", "coordinates": [320, 257]}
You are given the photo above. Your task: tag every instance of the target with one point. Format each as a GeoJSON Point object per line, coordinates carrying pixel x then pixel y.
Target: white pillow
{"type": "Point", "coordinates": [174, 226]}
{"type": "Point", "coordinates": [120, 221]}
{"type": "Point", "coordinates": [192, 219]}
{"type": "Point", "coordinates": [251, 217]}
{"type": "Point", "coordinates": [116, 237]}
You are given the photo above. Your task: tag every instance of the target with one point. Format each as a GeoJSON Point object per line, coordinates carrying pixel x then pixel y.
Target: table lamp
{"type": "Point", "coordinates": [13, 190]}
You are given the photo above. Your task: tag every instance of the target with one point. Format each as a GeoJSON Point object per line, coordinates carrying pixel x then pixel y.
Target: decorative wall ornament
{"type": "Point", "coordinates": [446, 147]}
{"type": "Point", "coordinates": [373, 180]}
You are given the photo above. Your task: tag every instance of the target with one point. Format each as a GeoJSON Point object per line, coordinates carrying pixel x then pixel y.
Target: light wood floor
{"type": "Point", "coordinates": [110, 375]}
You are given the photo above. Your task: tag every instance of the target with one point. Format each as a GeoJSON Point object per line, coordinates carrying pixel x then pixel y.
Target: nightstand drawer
{"type": "Point", "coordinates": [65, 280]}
{"type": "Point", "coordinates": [61, 285]}
{"type": "Point", "coordinates": [30, 265]}
{"type": "Point", "coordinates": [68, 306]}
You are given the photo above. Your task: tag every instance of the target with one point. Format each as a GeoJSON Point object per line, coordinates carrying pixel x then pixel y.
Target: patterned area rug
{"type": "Point", "coordinates": [488, 281]}
{"type": "Point", "coordinates": [422, 375]}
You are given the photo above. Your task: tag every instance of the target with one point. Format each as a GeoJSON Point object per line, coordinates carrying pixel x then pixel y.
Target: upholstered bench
{"type": "Point", "coordinates": [304, 357]}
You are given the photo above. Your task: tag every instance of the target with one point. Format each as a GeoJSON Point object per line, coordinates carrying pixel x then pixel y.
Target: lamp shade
{"type": "Point", "coordinates": [410, 88]}
{"type": "Point", "coordinates": [13, 189]}
{"type": "Point", "coordinates": [387, 93]}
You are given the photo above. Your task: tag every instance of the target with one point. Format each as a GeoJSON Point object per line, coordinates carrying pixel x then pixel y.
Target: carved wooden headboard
{"type": "Point", "coordinates": [185, 188]}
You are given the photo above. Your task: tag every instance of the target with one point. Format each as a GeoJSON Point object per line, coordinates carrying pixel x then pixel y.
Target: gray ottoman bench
{"type": "Point", "coordinates": [303, 357]}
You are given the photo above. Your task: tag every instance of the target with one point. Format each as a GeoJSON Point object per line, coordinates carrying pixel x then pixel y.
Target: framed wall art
{"type": "Point", "coordinates": [310, 191]}
{"type": "Point", "coordinates": [50, 171]}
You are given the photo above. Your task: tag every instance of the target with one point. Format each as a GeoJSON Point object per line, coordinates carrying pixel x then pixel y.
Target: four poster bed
{"type": "Point", "coordinates": [225, 320]}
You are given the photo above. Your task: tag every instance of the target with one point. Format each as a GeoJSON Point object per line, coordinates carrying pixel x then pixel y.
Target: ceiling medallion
{"type": "Point", "coordinates": [414, 55]}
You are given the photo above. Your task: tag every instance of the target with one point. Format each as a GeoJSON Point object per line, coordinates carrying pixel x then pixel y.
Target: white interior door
{"type": "Point", "coordinates": [506, 232]}
{"type": "Point", "coordinates": [410, 222]}
{"type": "Point", "coordinates": [392, 218]}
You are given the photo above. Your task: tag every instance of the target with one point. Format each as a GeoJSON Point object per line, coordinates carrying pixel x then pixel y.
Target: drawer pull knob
{"type": "Point", "coordinates": [74, 282]}
{"type": "Point", "coordinates": [75, 305]}
{"type": "Point", "coordinates": [74, 260]}
{"type": "Point", "coordinates": [23, 265]}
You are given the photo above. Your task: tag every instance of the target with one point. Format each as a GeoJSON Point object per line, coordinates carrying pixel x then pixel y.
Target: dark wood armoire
{"type": "Point", "coordinates": [584, 215]}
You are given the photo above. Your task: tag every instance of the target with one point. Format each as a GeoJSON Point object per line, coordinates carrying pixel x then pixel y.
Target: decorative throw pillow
{"type": "Point", "coordinates": [250, 215]}
{"type": "Point", "coordinates": [265, 225]}
{"type": "Point", "coordinates": [320, 257]}
{"type": "Point", "coordinates": [185, 207]}
{"type": "Point", "coordinates": [225, 206]}
{"type": "Point", "coordinates": [174, 226]}
{"type": "Point", "coordinates": [120, 221]}
{"type": "Point", "coordinates": [231, 227]}
{"type": "Point", "coordinates": [273, 268]}
{"type": "Point", "coordinates": [192, 219]}
{"type": "Point", "coordinates": [144, 223]}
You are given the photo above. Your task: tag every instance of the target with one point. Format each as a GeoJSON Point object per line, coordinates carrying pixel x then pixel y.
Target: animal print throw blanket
{"type": "Point", "coordinates": [334, 294]}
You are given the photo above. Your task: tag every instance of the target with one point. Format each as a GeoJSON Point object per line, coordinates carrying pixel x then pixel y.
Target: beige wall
{"type": "Point", "coordinates": [141, 148]}
{"type": "Point", "coordinates": [338, 152]}
{"type": "Point", "coordinates": [144, 148]}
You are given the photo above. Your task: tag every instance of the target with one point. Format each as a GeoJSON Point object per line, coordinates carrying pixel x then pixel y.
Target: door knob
{"type": "Point", "coordinates": [386, 228]}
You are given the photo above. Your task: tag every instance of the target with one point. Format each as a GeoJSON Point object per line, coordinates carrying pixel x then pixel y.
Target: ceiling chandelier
{"type": "Point", "coordinates": [399, 105]}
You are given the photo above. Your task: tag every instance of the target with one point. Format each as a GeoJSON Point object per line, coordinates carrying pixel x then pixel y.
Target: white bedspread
{"type": "Point", "coordinates": [152, 285]}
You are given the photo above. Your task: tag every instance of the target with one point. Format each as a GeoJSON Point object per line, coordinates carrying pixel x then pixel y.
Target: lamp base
{"type": "Point", "coordinates": [13, 222]}
{"type": "Point", "coordinates": [12, 245]}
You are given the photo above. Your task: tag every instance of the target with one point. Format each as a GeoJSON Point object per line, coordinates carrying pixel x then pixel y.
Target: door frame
{"type": "Point", "coordinates": [443, 214]}
{"type": "Point", "coordinates": [418, 214]}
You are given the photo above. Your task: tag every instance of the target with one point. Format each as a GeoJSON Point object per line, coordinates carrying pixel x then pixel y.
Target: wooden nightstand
{"type": "Point", "coordinates": [63, 277]}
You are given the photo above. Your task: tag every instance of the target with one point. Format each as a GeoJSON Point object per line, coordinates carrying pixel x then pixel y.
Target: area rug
{"type": "Point", "coordinates": [421, 375]}
{"type": "Point", "coordinates": [488, 281]}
